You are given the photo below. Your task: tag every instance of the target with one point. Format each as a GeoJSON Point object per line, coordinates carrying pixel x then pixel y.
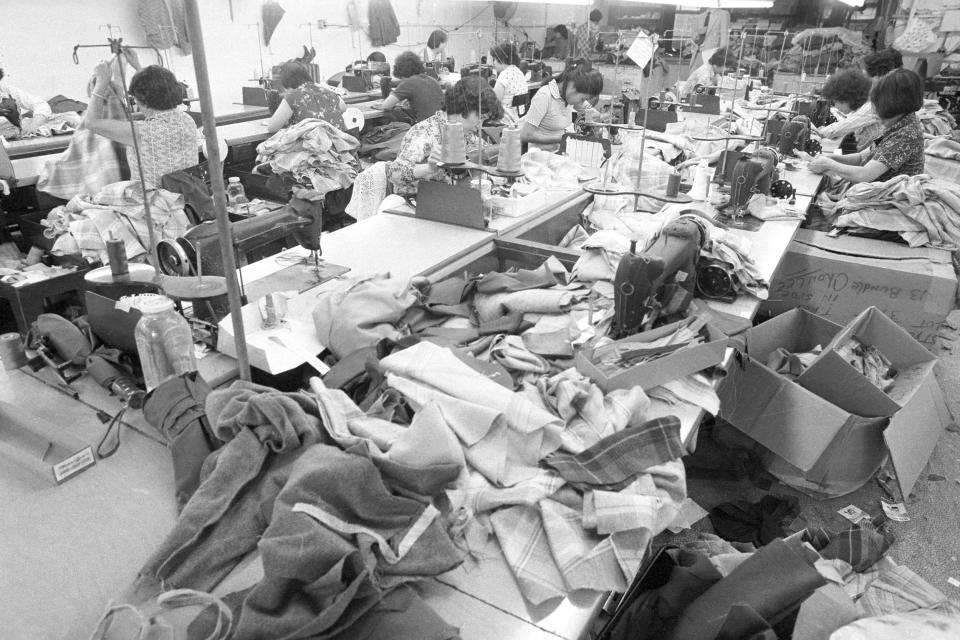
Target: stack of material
{"type": "Point", "coordinates": [822, 50]}
{"type": "Point", "coordinates": [312, 153]}
{"type": "Point", "coordinates": [941, 158]}
{"type": "Point", "coordinates": [922, 210]}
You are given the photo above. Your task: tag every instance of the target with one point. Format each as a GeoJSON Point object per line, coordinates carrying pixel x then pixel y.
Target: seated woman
{"type": "Point", "coordinates": [420, 151]}
{"type": "Point", "coordinates": [896, 98]}
{"type": "Point", "coordinates": [510, 80]}
{"type": "Point", "coordinates": [422, 92]}
{"type": "Point", "coordinates": [15, 103]}
{"type": "Point", "coordinates": [435, 49]}
{"type": "Point", "coordinates": [708, 74]}
{"type": "Point", "coordinates": [849, 90]}
{"type": "Point", "coordinates": [550, 110]}
{"type": "Point", "coordinates": [557, 43]}
{"type": "Point", "coordinates": [304, 99]}
{"type": "Point", "coordinates": [167, 136]}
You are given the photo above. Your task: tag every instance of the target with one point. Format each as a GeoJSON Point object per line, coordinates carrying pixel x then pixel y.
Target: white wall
{"type": "Point", "coordinates": [37, 37]}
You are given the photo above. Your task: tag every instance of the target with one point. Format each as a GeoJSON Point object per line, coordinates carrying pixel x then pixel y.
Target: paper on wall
{"type": "Point", "coordinates": [641, 51]}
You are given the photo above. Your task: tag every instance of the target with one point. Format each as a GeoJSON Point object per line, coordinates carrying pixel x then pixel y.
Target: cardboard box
{"type": "Point", "coordinates": [838, 278]}
{"type": "Point", "coordinates": [811, 443]}
{"type": "Point", "coordinates": [515, 207]}
{"type": "Point", "coordinates": [834, 379]}
{"type": "Point", "coordinates": [656, 372]}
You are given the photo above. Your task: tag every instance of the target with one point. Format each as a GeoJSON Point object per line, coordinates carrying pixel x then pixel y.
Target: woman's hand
{"type": "Point", "coordinates": [131, 57]}
{"type": "Point", "coordinates": [102, 74]}
{"type": "Point", "coordinates": [819, 164]}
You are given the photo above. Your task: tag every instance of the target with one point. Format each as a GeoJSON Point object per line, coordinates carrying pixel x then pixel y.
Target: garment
{"type": "Point", "coordinates": [26, 101]}
{"type": "Point", "coordinates": [548, 112]}
{"type": "Point", "coordinates": [901, 148]}
{"type": "Point", "coordinates": [311, 100]}
{"type": "Point", "coordinates": [368, 191]}
{"type": "Point", "coordinates": [312, 153]}
{"type": "Point", "coordinates": [585, 39]}
{"type": "Point", "coordinates": [424, 94]}
{"type": "Point", "coordinates": [418, 144]}
{"type": "Point", "coordinates": [164, 23]}
{"type": "Point", "coordinates": [899, 589]}
{"type": "Point", "coordinates": [384, 26]}
{"type": "Point", "coordinates": [715, 27]}
{"type": "Point", "coordinates": [862, 123]}
{"type": "Point", "coordinates": [702, 75]}
{"type": "Point", "coordinates": [513, 84]}
{"type": "Point", "coordinates": [270, 13]}
{"type": "Point", "coordinates": [168, 143]}
{"type": "Point", "coordinates": [429, 55]}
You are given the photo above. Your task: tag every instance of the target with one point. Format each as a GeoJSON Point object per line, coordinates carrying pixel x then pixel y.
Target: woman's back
{"type": "Point", "coordinates": [168, 142]}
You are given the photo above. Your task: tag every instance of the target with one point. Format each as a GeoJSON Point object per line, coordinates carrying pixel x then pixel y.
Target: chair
{"type": "Point", "coordinates": [656, 120]}
{"type": "Point", "coordinates": [704, 103]}
{"type": "Point", "coordinates": [585, 150]}
{"type": "Point", "coordinates": [522, 102]}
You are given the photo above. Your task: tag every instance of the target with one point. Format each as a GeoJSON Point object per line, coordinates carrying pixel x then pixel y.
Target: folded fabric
{"type": "Point", "coordinates": [520, 280]}
{"type": "Point", "coordinates": [551, 336]}
{"type": "Point", "coordinates": [772, 582]}
{"type": "Point", "coordinates": [492, 306]}
{"type": "Point", "coordinates": [928, 625]}
{"type": "Point", "coordinates": [513, 354]}
{"type": "Point", "coordinates": [897, 590]}
{"type": "Point", "coordinates": [861, 546]}
{"type": "Point", "coordinates": [613, 462]}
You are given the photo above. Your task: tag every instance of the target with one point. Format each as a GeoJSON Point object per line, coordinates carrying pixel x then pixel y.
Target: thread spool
{"type": "Point", "coordinates": [510, 150]}
{"type": "Point", "coordinates": [11, 351]}
{"type": "Point", "coordinates": [117, 255]}
{"type": "Point", "coordinates": [453, 144]}
{"type": "Point", "coordinates": [673, 184]}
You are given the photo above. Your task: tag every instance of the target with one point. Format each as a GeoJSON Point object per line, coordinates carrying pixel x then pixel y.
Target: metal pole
{"type": "Point", "coordinates": [216, 182]}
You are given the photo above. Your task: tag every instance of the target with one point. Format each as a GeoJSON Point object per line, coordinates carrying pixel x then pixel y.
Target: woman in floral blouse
{"type": "Point", "coordinates": [420, 150]}
{"type": "Point", "coordinates": [896, 98]}
{"type": "Point", "coordinates": [305, 99]}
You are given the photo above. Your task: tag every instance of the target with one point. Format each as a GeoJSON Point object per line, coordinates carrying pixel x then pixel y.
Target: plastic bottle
{"type": "Point", "coordinates": [701, 181]}
{"type": "Point", "coordinates": [164, 341]}
{"type": "Point", "coordinates": [235, 192]}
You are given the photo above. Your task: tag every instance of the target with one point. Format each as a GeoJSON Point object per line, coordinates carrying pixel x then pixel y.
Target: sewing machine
{"type": "Point", "coordinates": [199, 248]}
{"type": "Point", "coordinates": [660, 282]}
{"type": "Point", "coordinates": [753, 174]}
{"type": "Point", "coordinates": [538, 70]}
{"type": "Point", "coordinates": [485, 71]}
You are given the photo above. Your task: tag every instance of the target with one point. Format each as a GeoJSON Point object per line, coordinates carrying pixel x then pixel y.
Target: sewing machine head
{"type": "Point", "coordinates": [753, 174]}
{"type": "Point", "coordinates": [794, 135]}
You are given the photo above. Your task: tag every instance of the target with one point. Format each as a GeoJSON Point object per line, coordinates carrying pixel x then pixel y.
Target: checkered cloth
{"type": "Point", "coordinates": [899, 589]}
{"type": "Point", "coordinates": [612, 463]}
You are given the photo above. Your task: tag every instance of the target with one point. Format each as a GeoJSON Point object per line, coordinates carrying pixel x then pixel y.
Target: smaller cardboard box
{"type": "Point", "coordinates": [813, 444]}
{"type": "Point", "coordinates": [834, 379]}
{"type": "Point", "coordinates": [655, 372]}
{"type": "Point", "coordinates": [523, 202]}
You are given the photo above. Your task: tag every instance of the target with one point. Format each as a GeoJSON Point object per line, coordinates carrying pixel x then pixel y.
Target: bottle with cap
{"type": "Point", "coordinates": [235, 191]}
{"type": "Point", "coordinates": [164, 341]}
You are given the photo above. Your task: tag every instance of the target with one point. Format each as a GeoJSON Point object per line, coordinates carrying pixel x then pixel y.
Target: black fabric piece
{"type": "Point", "coordinates": [757, 522]}
{"type": "Point", "coordinates": [63, 104]}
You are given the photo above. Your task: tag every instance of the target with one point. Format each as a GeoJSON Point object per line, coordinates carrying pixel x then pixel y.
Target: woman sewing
{"type": "Point", "coordinates": [510, 80]}
{"type": "Point", "coordinates": [422, 92]}
{"type": "Point", "coordinates": [849, 90]}
{"type": "Point", "coordinates": [167, 136]}
{"type": "Point", "coordinates": [708, 74]}
{"type": "Point", "coordinates": [435, 49]}
{"type": "Point", "coordinates": [896, 97]}
{"type": "Point", "coordinates": [468, 102]}
{"type": "Point", "coordinates": [304, 99]}
{"type": "Point", "coordinates": [549, 114]}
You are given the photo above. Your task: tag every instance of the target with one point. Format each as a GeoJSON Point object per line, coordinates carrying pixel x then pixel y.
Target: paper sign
{"type": "Point", "coordinates": [853, 513]}
{"type": "Point", "coordinates": [73, 465]}
{"type": "Point", "coordinates": [641, 50]}
{"type": "Point", "coordinates": [895, 510]}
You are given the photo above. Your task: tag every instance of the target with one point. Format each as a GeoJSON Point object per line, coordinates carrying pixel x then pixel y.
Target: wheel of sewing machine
{"type": "Point", "coordinates": [699, 88]}
{"type": "Point", "coordinates": [715, 282]}
{"type": "Point", "coordinates": [176, 257]}
{"type": "Point", "coordinates": [782, 189]}
{"type": "Point", "coordinates": [813, 147]}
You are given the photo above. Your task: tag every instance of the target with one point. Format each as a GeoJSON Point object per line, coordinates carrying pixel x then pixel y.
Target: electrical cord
{"type": "Point", "coordinates": [115, 421]}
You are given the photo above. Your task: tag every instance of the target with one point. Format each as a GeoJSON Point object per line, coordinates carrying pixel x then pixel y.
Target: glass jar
{"type": "Point", "coordinates": [235, 191]}
{"type": "Point", "coordinates": [164, 341]}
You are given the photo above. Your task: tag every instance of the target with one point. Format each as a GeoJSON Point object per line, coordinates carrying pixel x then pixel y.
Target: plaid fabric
{"type": "Point", "coordinates": [899, 589]}
{"type": "Point", "coordinates": [612, 463]}
{"type": "Point", "coordinates": [524, 543]}
{"type": "Point", "coordinates": [860, 546]}
{"type": "Point", "coordinates": [479, 495]}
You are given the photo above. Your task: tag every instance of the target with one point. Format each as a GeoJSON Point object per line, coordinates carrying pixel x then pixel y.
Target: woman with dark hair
{"type": "Point", "coordinates": [549, 114]}
{"type": "Point", "coordinates": [303, 98]}
{"type": "Point", "coordinates": [510, 80]}
{"type": "Point", "coordinates": [436, 43]}
{"type": "Point", "coordinates": [896, 97]}
{"type": "Point", "coordinates": [424, 93]}
{"type": "Point", "coordinates": [167, 136]}
{"type": "Point", "coordinates": [849, 90]}
{"type": "Point", "coordinates": [557, 44]}
{"type": "Point", "coordinates": [880, 63]}
{"type": "Point", "coordinates": [709, 73]}
{"type": "Point", "coordinates": [420, 151]}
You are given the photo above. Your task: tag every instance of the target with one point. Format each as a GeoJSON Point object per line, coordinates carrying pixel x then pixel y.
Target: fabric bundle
{"type": "Point", "coordinates": [85, 223]}
{"type": "Point", "coordinates": [924, 211]}
{"type": "Point", "coordinates": [312, 153]}
{"type": "Point", "coordinates": [823, 49]}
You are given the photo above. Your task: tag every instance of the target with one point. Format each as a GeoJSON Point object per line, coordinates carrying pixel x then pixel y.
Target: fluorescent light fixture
{"type": "Point", "coordinates": [714, 4]}
{"type": "Point", "coordinates": [575, 3]}
{"type": "Point", "coordinates": [853, 3]}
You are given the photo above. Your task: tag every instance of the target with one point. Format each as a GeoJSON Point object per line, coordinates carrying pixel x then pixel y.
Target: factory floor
{"type": "Point", "coordinates": [929, 543]}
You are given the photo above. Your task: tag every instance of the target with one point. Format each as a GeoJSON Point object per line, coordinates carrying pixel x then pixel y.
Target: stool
{"type": "Point", "coordinates": [27, 301]}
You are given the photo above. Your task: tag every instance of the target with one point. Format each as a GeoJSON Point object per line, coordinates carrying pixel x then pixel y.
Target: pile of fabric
{"type": "Point", "coordinates": [924, 211]}
{"type": "Point", "coordinates": [941, 157]}
{"type": "Point", "coordinates": [313, 154]}
{"type": "Point", "coordinates": [823, 50]}
{"type": "Point", "coordinates": [85, 223]}
{"type": "Point", "coordinates": [936, 120]}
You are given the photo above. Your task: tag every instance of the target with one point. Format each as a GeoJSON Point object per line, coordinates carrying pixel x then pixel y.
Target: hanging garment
{"type": "Point", "coordinates": [271, 13]}
{"type": "Point", "coordinates": [154, 17]}
{"type": "Point", "coordinates": [384, 26]}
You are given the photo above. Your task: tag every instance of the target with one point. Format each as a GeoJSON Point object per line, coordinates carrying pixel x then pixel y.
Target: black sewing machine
{"type": "Point", "coordinates": [658, 284]}
{"type": "Point", "coordinates": [485, 71]}
{"type": "Point", "coordinates": [538, 70]}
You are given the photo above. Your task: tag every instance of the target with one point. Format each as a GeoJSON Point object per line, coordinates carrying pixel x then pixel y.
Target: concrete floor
{"type": "Point", "coordinates": [929, 543]}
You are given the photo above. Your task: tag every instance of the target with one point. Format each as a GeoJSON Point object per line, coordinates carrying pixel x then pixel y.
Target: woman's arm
{"type": "Point", "coordinates": [95, 117]}
{"type": "Point", "coordinates": [530, 133]}
{"type": "Point", "coordinates": [415, 161]}
{"type": "Point", "coordinates": [854, 173]}
{"type": "Point", "coordinates": [280, 117]}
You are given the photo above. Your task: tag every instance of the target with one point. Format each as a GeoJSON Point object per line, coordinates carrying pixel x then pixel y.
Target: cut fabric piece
{"type": "Point", "coordinates": [826, 610]}
{"type": "Point", "coordinates": [861, 546]}
{"type": "Point", "coordinates": [899, 590]}
{"type": "Point", "coordinates": [612, 463]}
{"type": "Point", "coordinates": [928, 625]}
{"type": "Point", "coordinates": [759, 522]}
{"type": "Point", "coordinates": [520, 280]}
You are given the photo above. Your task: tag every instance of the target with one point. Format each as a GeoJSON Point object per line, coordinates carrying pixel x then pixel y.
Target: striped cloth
{"type": "Point", "coordinates": [615, 461]}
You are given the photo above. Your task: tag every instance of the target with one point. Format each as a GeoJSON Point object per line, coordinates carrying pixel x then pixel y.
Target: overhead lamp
{"type": "Point", "coordinates": [572, 3]}
{"type": "Point", "coordinates": [712, 4]}
{"type": "Point", "coordinates": [853, 3]}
